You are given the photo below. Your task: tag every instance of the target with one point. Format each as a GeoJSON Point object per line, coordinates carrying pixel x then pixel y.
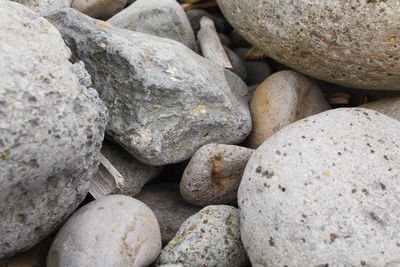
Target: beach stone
{"type": "Point", "coordinates": [113, 231]}
{"type": "Point", "coordinates": [352, 43]}
{"type": "Point", "coordinates": [213, 174]}
{"type": "Point", "coordinates": [238, 64]}
{"type": "Point", "coordinates": [195, 15]}
{"type": "Point", "coordinates": [163, 18]}
{"type": "Point", "coordinates": [44, 7]}
{"type": "Point", "coordinates": [224, 39]}
{"type": "Point", "coordinates": [165, 101]}
{"type": "Point", "coordinates": [389, 107]}
{"type": "Point", "coordinates": [135, 173]}
{"type": "Point", "coordinates": [282, 99]}
{"type": "Point", "coordinates": [51, 129]}
{"type": "Point", "coordinates": [102, 9]}
{"type": "Point", "coordinates": [324, 192]}
{"type": "Point", "coordinates": [211, 237]}
{"type": "Point", "coordinates": [170, 209]}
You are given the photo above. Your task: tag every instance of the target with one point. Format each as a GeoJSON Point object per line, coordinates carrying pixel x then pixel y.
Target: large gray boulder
{"type": "Point", "coordinates": [45, 7]}
{"type": "Point", "coordinates": [352, 43]}
{"type": "Point", "coordinates": [165, 101]}
{"type": "Point", "coordinates": [51, 129]}
{"type": "Point", "coordinates": [163, 18]}
{"type": "Point", "coordinates": [324, 191]}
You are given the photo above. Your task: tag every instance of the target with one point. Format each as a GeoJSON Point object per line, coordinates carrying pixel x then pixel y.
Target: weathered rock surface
{"type": "Point", "coordinates": [165, 101]}
{"type": "Point", "coordinates": [51, 129]}
{"type": "Point", "coordinates": [135, 173]}
{"type": "Point", "coordinates": [170, 208]}
{"type": "Point", "coordinates": [352, 43]}
{"type": "Point", "coordinates": [211, 237]}
{"type": "Point", "coordinates": [389, 107]}
{"type": "Point", "coordinates": [283, 98]}
{"type": "Point", "coordinates": [163, 18]}
{"type": "Point", "coordinates": [213, 174]}
{"type": "Point", "coordinates": [238, 64]}
{"type": "Point", "coordinates": [102, 9]}
{"type": "Point", "coordinates": [45, 7]}
{"type": "Point", "coordinates": [113, 231]}
{"type": "Point", "coordinates": [324, 191]}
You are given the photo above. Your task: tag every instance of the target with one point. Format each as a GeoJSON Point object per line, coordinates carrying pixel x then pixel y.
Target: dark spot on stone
{"type": "Point", "coordinates": [372, 151]}
{"type": "Point", "coordinates": [365, 191]}
{"type": "Point", "coordinates": [339, 153]}
{"type": "Point", "coordinates": [382, 186]}
{"type": "Point", "coordinates": [271, 242]}
{"type": "Point", "coordinates": [282, 188]}
{"type": "Point", "coordinates": [258, 170]}
{"type": "Point", "coordinates": [363, 263]}
{"type": "Point", "coordinates": [205, 221]}
{"type": "Point", "coordinates": [303, 137]}
{"type": "Point", "coordinates": [385, 157]}
{"type": "Point", "coordinates": [278, 152]}
{"type": "Point", "coordinates": [368, 144]}
{"type": "Point", "coordinates": [302, 239]}
{"type": "Point", "coordinates": [312, 139]}
{"type": "Point", "coordinates": [332, 237]}
{"type": "Point", "coordinates": [267, 174]}
{"type": "Point", "coordinates": [304, 216]}
{"type": "Point", "coordinates": [354, 191]}
{"type": "Point", "coordinates": [376, 218]}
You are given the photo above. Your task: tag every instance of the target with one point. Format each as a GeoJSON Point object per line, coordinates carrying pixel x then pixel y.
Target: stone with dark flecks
{"type": "Point", "coordinates": [45, 7]}
{"type": "Point", "coordinates": [389, 106]}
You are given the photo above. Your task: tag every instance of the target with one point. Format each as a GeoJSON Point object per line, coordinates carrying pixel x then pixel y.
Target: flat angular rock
{"type": "Point", "coordinates": [389, 107]}
{"type": "Point", "coordinates": [51, 129]}
{"type": "Point", "coordinates": [113, 231]}
{"type": "Point", "coordinates": [45, 7]}
{"type": "Point", "coordinates": [283, 98]}
{"type": "Point", "coordinates": [211, 237]}
{"type": "Point", "coordinates": [102, 9]}
{"type": "Point", "coordinates": [163, 18]}
{"type": "Point", "coordinates": [165, 101]}
{"type": "Point", "coordinates": [213, 174]}
{"type": "Point", "coordinates": [325, 191]}
{"type": "Point", "coordinates": [353, 43]}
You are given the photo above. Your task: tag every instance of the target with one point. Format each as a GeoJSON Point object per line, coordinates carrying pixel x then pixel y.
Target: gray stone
{"type": "Point", "coordinates": [102, 9]}
{"type": "Point", "coordinates": [209, 238]}
{"type": "Point", "coordinates": [51, 129]}
{"type": "Point", "coordinates": [45, 7]}
{"type": "Point", "coordinates": [112, 231]}
{"type": "Point", "coordinates": [163, 18]}
{"type": "Point", "coordinates": [257, 70]}
{"type": "Point", "coordinates": [135, 173]}
{"type": "Point", "coordinates": [325, 191]}
{"type": "Point", "coordinates": [170, 208]}
{"type": "Point", "coordinates": [283, 98]}
{"type": "Point", "coordinates": [213, 174]}
{"type": "Point", "coordinates": [389, 107]}
{"type": "Point", "coordinates": [165, 101]}
{"type": "Point", "coordinates": [238, 64]}
{"type": "Point", "coordinates": [195, 15]}
{"type": "Point", "coordinates": [352, 43]}
{"type": "Point", "coordinates": [224, 39]}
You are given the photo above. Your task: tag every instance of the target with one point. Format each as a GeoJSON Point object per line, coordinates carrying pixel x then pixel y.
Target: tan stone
{"type": "Point", "coordinates": [102, 9]}
{"type": "Point", "coordinates": [390, 107]}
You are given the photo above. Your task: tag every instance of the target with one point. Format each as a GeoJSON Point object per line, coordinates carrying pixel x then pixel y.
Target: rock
{"type": "Point", "coordinates": [250, 92]}
{"type": "Point", "coordinates": [163, 18]}
{"type": "Point", "coordinates": [324, 191]}
{"type": "Point", "coordinates": [389, 107]}
{"type": "Point", "coordinates": [170, 208]}
{"type": "Point", "coordinates": [112, 231]}
{"type": "Point", "coordinates": [195, 15]}
{"type": "Point", "coordinates": [165, 101]}
{"type": "Point", "coordinates": [102, 9]}
{"type": "Point", "coordinates": [224, 39]}
{"type": "Point", "coordinates": [354, 44]}
{"type": "Point", "coordinates": [238, 64]}
{"type": "Point", "coordinates": [51, 129]}
{"type": "Point", "coordinates": [44, 7]}
{"type": "Point", "coordinates": [211, 237]}
{"type": "Point", "coordinates": [135, 173]}
{"type": "Point", "coordinates": [213, 174]}
{"type": "Point", "coordinates": [283, 98]}
{"type": "Point", "coordinates": [257, 70]}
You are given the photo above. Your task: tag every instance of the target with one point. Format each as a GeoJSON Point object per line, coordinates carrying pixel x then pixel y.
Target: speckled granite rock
{"type": "Point", "coordinates": [352, 43]}
{"type": "Point", "coordinates": [165, 101]}
{"type": "Point", "coordinates": [390, 107]}
{"type": "Point", "coordinates": [170, 208]}
{"type": "Point", "coordinates": [45, 7]}
{"type": "Point", "coordinates": [211, 238]}
{"type": "Point", "coordinates": [213, 174]}
{"type": "Point", "coordinates": [163, 18]}
{"type": "Point", "coordinates": [283, 98]}
{"type": "Point", "coordinates": [112, 231]}
{"type": "Point", "coordinates": [51, 129]}
{"type": "Point", "coordinates": [102, 9]}
{"type": "Point", "coordinates": [324, 191]}
{"type": "Point", "coordinates": [136, 174]}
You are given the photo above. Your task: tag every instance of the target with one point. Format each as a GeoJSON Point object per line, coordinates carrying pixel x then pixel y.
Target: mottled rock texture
{"type": "Point", "coordinates": [45, 7]}
{"type": "Point", "coordinates": [390, 107]}
{"type": "Point", "coordinates": [352, 43]}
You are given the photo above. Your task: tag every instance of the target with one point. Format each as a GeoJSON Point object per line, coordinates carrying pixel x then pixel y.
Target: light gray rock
{"type": "Point", "coordinates": [324, 191]}
{"type": "Point", "coordinates": [165, 101]}
{"type": "Point", "coordinates": [51, 129]}
{"type": "Point", "coordinates": [171, 265]}
{"type": "Point", "coordinates": [352, 43]}
{"type": "Point", "coordinates": [238, 64]}
{"type": "Point", "coordinates": [283, 98]}
{"type": "Point", "coordinates": [389, 107]}
{"type": "Point", "coordinates": [135, 173]}
{"type": "Point", "coordinates": [45, 7]}
{"type": "Point", "coordinates": [170, 208]}
{"type": "Point", "coordinates": [102, 9]}
{"type": "Point", "coordinates": [209, 238]}
{"type": "Point", "coordinates": [213, 174]}
{"type": "Point", "coordinates": [163, 18]}
{"type": "Point", "coordinates": [113, 231]}
{"type": "Point", "coordinates": [195, 15]}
